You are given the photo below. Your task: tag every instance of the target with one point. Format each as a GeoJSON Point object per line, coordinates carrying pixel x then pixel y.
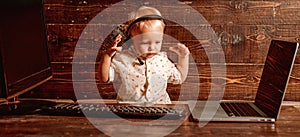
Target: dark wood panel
{"type": "Point", "coordinates": [241, 82]}
{"type": "Point", "coordinates": [82, 3]}
{"type": "Point", "coordinates": [231, 11]}
{"type": "Point", "coordinates": [243, 28]}
{"type": "Point", "coordinates": [241, 44]}
{"type": "Point", "coordinates": [249, 12]}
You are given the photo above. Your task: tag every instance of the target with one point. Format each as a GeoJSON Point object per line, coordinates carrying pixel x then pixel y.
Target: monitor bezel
{"type": "Point", "coordinates": [30, 82]}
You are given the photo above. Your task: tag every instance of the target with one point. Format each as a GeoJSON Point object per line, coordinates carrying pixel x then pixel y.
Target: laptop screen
{"type": "Point", "coordinates": [275, 76]}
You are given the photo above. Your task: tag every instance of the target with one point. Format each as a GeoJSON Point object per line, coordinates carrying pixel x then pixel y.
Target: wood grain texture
{"type": "Point", "coordinates": [53, 126]}
{"type": "Point", "coordinates": [243, 28]}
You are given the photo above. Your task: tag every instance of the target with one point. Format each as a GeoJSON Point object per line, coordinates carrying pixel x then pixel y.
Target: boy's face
{"type": "Point", "coordinates": [148, 42]}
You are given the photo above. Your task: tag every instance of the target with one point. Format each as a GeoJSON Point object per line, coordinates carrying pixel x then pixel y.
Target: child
{"type": "Point", "coordinates": [143, 69]}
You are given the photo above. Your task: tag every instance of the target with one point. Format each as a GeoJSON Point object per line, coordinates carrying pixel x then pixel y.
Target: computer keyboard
{"type": "Point", "coordinates": [239, 109]}
{"type": "Point", "coordinates": [115, 111]}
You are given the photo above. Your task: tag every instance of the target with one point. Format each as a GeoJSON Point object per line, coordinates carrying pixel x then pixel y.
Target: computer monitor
{"type": "Point", "coordinates": [24, 59]}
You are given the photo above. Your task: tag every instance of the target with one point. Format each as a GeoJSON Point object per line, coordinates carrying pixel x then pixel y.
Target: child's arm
{"type": "Point", "coordinates": [183, 59]}
{"type": "Point", "coordinates": [105, 61]}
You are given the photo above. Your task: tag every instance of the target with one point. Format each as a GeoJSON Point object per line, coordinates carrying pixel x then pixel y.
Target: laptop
{"type": "Point", "coordinates": [269, 96]}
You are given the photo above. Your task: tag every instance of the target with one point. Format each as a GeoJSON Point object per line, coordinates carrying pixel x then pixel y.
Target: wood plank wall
{"type": "Point", "coordinates": [244, 29]}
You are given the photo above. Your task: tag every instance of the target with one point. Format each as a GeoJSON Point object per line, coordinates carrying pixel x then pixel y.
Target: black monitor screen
{"type": "Point", "coordinates": [24, 53]}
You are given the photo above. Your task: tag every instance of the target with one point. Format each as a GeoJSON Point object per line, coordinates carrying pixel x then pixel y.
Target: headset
{"type": "Point", "coordinates": [146, 17]}
{"type": "Point", "coordinates": [124, 29]}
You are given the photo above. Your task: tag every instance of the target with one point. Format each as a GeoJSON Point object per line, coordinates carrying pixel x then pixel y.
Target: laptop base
{"type": "Point", "coordinates": [211, 111]}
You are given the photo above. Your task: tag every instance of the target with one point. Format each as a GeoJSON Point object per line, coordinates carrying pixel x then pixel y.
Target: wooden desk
{"type": "Point", "coordinates": [288, 124]}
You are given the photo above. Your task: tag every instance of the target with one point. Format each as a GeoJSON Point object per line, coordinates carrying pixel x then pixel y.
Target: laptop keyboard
{"type": "Point", "coordinates": [115, 111]}
{"type": "Point", "coordinates": [239, 109]}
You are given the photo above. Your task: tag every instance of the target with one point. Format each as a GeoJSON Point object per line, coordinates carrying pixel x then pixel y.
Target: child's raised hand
{"type": "Point", "coordinates": [114, 48]}
{"type": "Point", "coordinates": [181, 50]}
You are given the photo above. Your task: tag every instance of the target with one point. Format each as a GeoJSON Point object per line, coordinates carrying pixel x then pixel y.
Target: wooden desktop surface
{"type": "Point", "coordinates": [288, 124]}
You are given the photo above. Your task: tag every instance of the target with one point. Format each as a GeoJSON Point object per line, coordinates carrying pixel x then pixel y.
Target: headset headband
{"type": "Point", "coordinates": [146, 17]}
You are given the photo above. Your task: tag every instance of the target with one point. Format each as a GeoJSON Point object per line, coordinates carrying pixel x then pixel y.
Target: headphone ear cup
{"type": "Point", "coordinates": [128, 41]}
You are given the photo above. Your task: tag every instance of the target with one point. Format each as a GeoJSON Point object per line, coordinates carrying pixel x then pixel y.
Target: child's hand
{"type": "Point", "coordinates": [181, 50]}
{"type": "Point", "coordinates": [114, 48]}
